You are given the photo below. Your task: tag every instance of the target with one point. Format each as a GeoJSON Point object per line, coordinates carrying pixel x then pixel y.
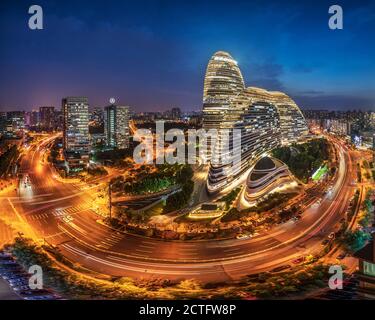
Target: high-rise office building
{"type": "Point", "coordinates": [47, 118]}
{"type": "Point", "coordinates": [76, 140]}
{"type": "Point", "coordinates": [175, 113]}
{"type": "Point", "coordinates": [97, 117]}
{"type": "Point", "coordinates": [16, 120]}
{"type": "Point", "coordinates": [59, 119]}
{"type": "Point", "coordinates": [34, 118]}
{"type": "Point", "coordinates": [3, 122]}
{"type": "Point", "coordinates": [117, 126]}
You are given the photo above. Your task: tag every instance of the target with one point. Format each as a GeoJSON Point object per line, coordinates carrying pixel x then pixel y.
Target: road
{"type": "Point", "coordinates": [42, 208]}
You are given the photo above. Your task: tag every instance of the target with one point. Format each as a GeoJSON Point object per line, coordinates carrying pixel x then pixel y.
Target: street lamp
{"type": "Point", "coordinates": [110, 199]}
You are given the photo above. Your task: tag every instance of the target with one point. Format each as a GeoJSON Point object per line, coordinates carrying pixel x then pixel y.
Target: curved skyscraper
{"type": "Point", "coordinates": [265, 119]}
{"type": "Point", "coordinates": [292, 122]}
{"type": "Point", "coordinates": [258, 120]}
{"type": "Point", "coordinates": [222, 83]}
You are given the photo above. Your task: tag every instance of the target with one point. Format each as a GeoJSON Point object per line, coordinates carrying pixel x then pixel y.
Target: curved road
{"type": "Point", "coordinates": [44, 205]}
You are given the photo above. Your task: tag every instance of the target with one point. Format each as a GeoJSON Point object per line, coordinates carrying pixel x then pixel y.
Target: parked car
{"type": "Point", "coordinates": [243, 236]}
{"type": "Point", "coordinates": [341, 256]}
{"type": "Point", "coordinates": [298, 260]}
{"type": "Point", "coordinates": [281, 268]}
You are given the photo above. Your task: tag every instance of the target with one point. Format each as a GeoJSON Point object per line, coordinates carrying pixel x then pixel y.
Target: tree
{"type": "Point", "coordinates": [355, 240]}
{"type": "Point", "coordinates": [184, 175]}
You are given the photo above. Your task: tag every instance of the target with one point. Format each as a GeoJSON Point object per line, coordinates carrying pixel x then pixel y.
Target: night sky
{"type": "Point", "coordinates": [152, 55]}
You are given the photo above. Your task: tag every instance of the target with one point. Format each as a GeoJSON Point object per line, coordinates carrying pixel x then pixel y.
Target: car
{"type": "Point", "coordinates": [14, 276]}
{"type": "Point", "coordinates": [10, 269]}
{"type": "Point", "coordinates": [8, 262]}
{"type": "Point", "coordinates": [29, 292]}
{"type": "Point", "coordinates": [6, 258]}
{"type": "Point", "coordinates": [254, 276]}
{"type": "Point", "coordinates": [4, 254]}
{"type": "Point", "coordinates": [298, 260]}
{"type": "Point", "coordinates": [341, 256]}
{"type": "Point", "coordinates": [20, 281]}
{"type": "Point", "coordinates": [21, 287]}
{"type": "Point", "coordinates": [46, 297]}
{"type": "Point", "coordinates": [68, 219]}
{"type": "Point", "coordinates": [281, 268]}
{"type": "Point", "coordinates": [243, 236]}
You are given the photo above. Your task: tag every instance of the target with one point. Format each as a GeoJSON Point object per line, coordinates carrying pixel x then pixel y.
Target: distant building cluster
{"type": "Point", "coordinates": [357, 126]}
{"type": "Point", "coordinates": [175, 114]}
{"type": "Point", "coordinates": [83, 129]}
{"type": "Point", "coordinates": [266, 119]}
{"type": "Point", "coordinates": [43, 119]}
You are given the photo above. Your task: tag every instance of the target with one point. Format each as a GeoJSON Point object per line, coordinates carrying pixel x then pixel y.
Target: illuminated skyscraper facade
{"type": "Point", "coordinates": [265, 119]}
{"type": "Point", "coordinates": [76, 138]}
{"type": "Point", "coordinates": [292, 122]}
{"type": "Point", "coordinates": [47, 118]}
{"type": "Point", "coordinates": [259, 123]}
{"type": "Point", "coordinates": [117, 126]}
{"type": "Point", "coordinates": [223, 81]}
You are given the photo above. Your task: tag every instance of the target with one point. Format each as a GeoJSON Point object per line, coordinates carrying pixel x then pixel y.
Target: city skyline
{"type": "Point", "coordinates": [125, 53]}
{"type": "Point", "coordinates": [159, 151]}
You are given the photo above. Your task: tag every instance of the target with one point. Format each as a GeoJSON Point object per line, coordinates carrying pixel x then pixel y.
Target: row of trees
{"type": "Point", "coordinates": [7, 158]}
{"type": "Point", "coordinates": [116, 157]}
{"type": "Point", "coordinates": [97, 171]}
{"type": "Point", "coordinates": [355, 240]}
{"type": "Point", "coordinates": [272, 201]}
{"type": "Point", "coordinates": [230, 197]}
{"type": "Point", "coordinates": [148, 179]}
{"type": "Point", "coordinates": [180, 199]}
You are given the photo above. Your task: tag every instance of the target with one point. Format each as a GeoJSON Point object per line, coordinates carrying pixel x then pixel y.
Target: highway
{"type": "Point", "coordinates": [60, 214]}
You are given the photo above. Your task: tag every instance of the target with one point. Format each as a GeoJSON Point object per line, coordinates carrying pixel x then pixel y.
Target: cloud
{"type": "Point", "coordinates": [312, 92]}
{"type": "Point", "coordinates": [268, 84]}
{"type": "Point", "coordinates": [302, 68]}
{"type": "Point", "coordinates": [265, 75]}
{"type": "Point", "coordinates": [333, 102]}
{"type": "Point", "coordinates": [266, 70]}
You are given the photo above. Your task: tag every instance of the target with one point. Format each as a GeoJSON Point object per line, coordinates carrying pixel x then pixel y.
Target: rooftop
{"type": "Point", "coordinates": [367, 253]}
{"type": "Point", "coordinates": [265, 163]}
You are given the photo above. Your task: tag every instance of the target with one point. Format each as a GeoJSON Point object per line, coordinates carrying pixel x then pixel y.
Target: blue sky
{"type": "Point", "coordinates": [152, 55]}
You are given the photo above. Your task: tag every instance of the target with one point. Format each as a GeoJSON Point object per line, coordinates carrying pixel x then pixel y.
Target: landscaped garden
{"type": "Point", "coordinates": [304, 159]}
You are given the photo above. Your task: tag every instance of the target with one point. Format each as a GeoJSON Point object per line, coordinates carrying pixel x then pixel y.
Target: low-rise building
{"type": "Point", "coordinates": [366, 272]}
